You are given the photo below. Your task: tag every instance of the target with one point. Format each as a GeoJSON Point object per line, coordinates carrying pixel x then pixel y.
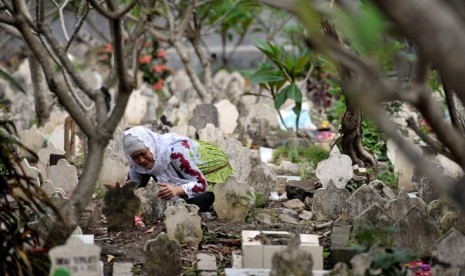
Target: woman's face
{"type": "Point", "coordinates": [143, 158]}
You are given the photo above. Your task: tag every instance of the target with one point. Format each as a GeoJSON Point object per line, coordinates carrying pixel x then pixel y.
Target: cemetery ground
{"type": "Point", "coordinates": [221, 238]}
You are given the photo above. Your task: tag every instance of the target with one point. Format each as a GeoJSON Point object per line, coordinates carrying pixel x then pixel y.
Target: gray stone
{"type": "Point", "coordinates": [297, 143]}
{"type": "Point", "coordinates": [292, 261]}
{"type": "Point", "coordinates": [136, 107]}
{"type": "Point", "coordinates": [78, 258]}
{"type": "Point", "coordinates": [399, 207]}
{"type": "Point", "coordinates": [113, 169]}
{"type": "Point", "coordinates": [233, 199]}
{"type": "Point", "coordinates": [163, 256]}
{"type": "Point", "coordinates": [212, 134]}
{"type": "Point", "coordinates": [449, 254]}
{"type": "Point", "coordinates": [330, 203]}
{"type": "Point", "coordinates": [306, 215]}
{"type": "Point", "coordinates": [403, 166]}
{"type": "Point", "coordinates": [453, 220]}
{"type": "Point", "coordinates": [300, 189]}
{"type": "Point", "coordinates": [426, 189]}
{"type": "Point", "coordinates": [185, 130]}
{"type": "Point", "coordinates": [449, 167]}
{"type": "Point", "coordinates": [362, 199]}
{"type": "Point", "coordinates": [33, 139]}
{"type": "Point", "coordinates": [294, 204]}
{"type": "Point", "coordinates": [50, 189]}
{"type": "Point", "coordinates": [264, 218]}
{"type": "Point", "coordinates": [239, 158]}
{"type": "Point", "coordinates": [228, 115]}
{"type": "Point", "coordinates": [287, 219]}
{"type": "Point", "coordinates": [122, 269]}
{"type": "Point", "coordinates": [44, 158]}
{"type": "Point", "coordinates": [337, 168]}
{"type": "Point", "coordinates": [206, 262]}
{"type": "Point", "coordinates": [382, 190]}
{"type": "Point", "coordinates": [374, 215]}
{"type": "Point", "coordinates": [183, 223]}
{"type": "Point", "coordinates": [340, 251]}
{"type": "Point", "coordinates": [43, 225]}
{"type": "Point", "coordinates": [204, 114]}
{"type": "Point", "coordinates": [263, 179]}
{"type": "Point", "coordinates": [417, 232]}
{"type": "Point", "coordinates": [152, 206]}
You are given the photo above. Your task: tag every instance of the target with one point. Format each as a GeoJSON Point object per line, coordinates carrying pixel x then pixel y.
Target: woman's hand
{"type": "Point", "coordinates": [168, 191]}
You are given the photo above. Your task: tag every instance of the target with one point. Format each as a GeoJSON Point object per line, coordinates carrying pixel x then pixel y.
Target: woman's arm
{"type": "Point", "coordinates": [143, 179]}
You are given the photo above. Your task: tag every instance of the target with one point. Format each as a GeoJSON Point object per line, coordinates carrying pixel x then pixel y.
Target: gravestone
{"type": "Point", "coordinates": [136, 107]}
{"type": "Point", "coordinates": [337, 168]}
{"type": "Point", "coordinates": [233, 199]}
{"type": "Point", "coordinates": [212, 134]}
{"type": "Point", "coordinates": [185, 130]}
{"type": "Point", "coordinates": [362, 199]}
{"type": "Point", "coordinates": [402, 165]}
{"type": "Point", "coordinates": [57, 137]}
{"type": "Point", "coordinates": [453, 219]}
{"type": "Point", "coordinates": [58, 199]}
{"type": "Point", "coordinates": [30, 177]}
{"type": "Point", "coordinates": [376, 216]}
{"type": "Point", "coordinates": [76, 257]}
{"type": "Point", "coordinates": [204, 114]}
{"type": "Point", "coordinates": [417, 232]}
{"type": "Point", "coordinates": [292, 261]}
{"type": "Point", "coordinates": [152, 206]}
{"type": "Point", "coordinates": [239, 157]}
{"type": "Point", "coordinates": [163, 256]}
{"type": "Point", "coordinates": [33, 139]}
{"type": "Point", "coordinates": [382, 190]}
{"type": "Point", "coordinates": [113, 168]}
{"type": "Point", "coordinates": [221, 80]}
{"type": "Point", "coordinates": [50, 189]}
{"type": "Point", "coordinates": [330, 203]}
{"type": "Point", "coordinates": [263, 180]}
{"type": "Point", "coordinates": [44, 158]}
{"type": "Point", "coordinates": [120, 206]}
{"type": "Point", "coordinates": [449, 167]}
{"type": "Point", "coordinates": [399, 207]}
{"type": "Point", "coordinates": [63, 175]}
{"type": "Point", "coordinates": [236, 86]}
{"type": "Point", "coordinates": [227, 116]}
{"type": "Point", "coordinates": [183, 223]}
{"type": "Point", "coordinates": [42, 226]}
{"type": "Point", "coordinates": [449, 254]}
{"type": "Point", "coordinates": [426, 189]}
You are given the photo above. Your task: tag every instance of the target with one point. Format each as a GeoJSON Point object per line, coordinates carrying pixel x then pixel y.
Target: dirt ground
{"type": "Point", "coordinates": [219, 237]}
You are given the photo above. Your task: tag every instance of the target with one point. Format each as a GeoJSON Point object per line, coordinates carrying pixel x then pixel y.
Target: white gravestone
{"type": "Point", "coordinates": [337, 168]}
{"type": "Point", "coordinates": [63, 175]}
{"type": "Point", "coordinates": [78, 258]}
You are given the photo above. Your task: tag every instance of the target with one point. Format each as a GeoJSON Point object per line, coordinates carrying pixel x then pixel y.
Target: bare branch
{"type": "Point", "coordinates": [79, 22]}
{"type": "Point", "coordinates": [114, 14]}
{"type": "Point", "coordinates": [61, 16]}
{"type": "Point", "coordinates": [451, 106]}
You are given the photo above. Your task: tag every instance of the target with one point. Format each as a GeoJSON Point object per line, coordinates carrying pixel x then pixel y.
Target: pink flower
{"type": "Point", "coordinates": [157, 68]}
{"type": "Point", "coordinates": [144, 59]}
{"type": "Point", "coordinates": [108, 48]}
{"type": "Point", "coordinates": [162, 54]}
{"type": "Point", "coordinates": [159, 85]}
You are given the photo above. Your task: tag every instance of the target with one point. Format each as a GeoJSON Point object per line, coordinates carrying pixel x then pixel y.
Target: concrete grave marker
{"type": "Point", "coordinates": [402, 164]}
{"type": "Point", "coordinates": [185, 130]}
{"type": "Point", "coordinates": [32, 139]}
{"type": "Point", "coordinates": [31, 173]}
{"type": "Point", "coordinates": [376, 216]}
{"type": "Point", "coordinates": [50, 189]}
{"type": "Point", "coordinates": [227, 115]}
{"type": "Point", "coordinates": [362, 199]}
{"type": "Point", "coordinates": [382, 190]}
{"type": "Point", "coordinates": [212, 134]}
{"type": "Point", "coordinates": [239, 158]}
{"type": "Point", "coordinates": [136, 107]}
{"type": "Point", "coordinates": [204, 114]}
{"type": "Point", "coordinates": [263, 180]}
{"type": "Point", "coordinates": [330, 202]}
{"type": "Point", "coordinates": [152, 206]}
{"type": "Point", "coordinates": [78, 258]}
{"type": "Point", "coordinates": [399, 207]}
{"type": "Point", "coordinates": [44, 157]}
{"type": "Point", "coordinates": [183, 223]}
{"type": "Point", "coordinates": [63, 175]}
{"type": "Point", "coordinates": [113, 168]}
{"type": "Point", "coordinates": [232, 199]}
{"type": "Point", "coordinates": [120, 207]}
{"type": "Point", "coordinates": [337, 168]}
{"type": "Point", "coordinates": [417, 232]}
{"type": "Point", "coordinates": [163, 256]}
{"type": "Point", "coordinates": [449, 254]}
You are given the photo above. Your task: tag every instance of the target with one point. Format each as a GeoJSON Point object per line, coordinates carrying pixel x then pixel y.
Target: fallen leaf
{"type": "Point", "coordinates": [110, 258]}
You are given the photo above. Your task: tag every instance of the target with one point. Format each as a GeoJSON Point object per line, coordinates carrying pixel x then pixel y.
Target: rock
{"type": "Point", "coordinates": [300, 189]}
{"type": "Point", "coordinates": [152, 206]}
{"type": "Point", "coordinates": [183, 223]}
{"type": "Point", "coordinates": [263, 179]}
{"type": "Point", "coordinates": [294, 204]}
{"type": "Point", "coordinates": [233, 199]}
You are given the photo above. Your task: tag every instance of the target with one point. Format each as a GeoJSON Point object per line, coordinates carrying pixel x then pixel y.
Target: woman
{"type": "Point", "coordinates": [181, 167]}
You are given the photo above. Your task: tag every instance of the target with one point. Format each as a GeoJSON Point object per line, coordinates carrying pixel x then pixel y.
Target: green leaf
{"type": "Point", "coordinates": [297, 108]}
{"type": "Point", "coordinates": [293, 92]}
{"type": "Point", "coordinates": [280, 99]}
{"type": "Point", "coordinates": [302, 61]}
{"type": "Point", "coordinates": [266, 75]}
{"type": "Point", "coordinates": [6, 76]}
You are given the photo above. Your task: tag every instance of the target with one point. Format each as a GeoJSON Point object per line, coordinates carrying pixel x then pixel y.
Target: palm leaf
{"type": "Point", "coordinates": [6, 76]}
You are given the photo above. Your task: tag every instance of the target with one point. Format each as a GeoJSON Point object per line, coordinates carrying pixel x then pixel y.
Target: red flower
{"type": "Point", "coordinates": [158, 85]}
{"type": "Point", "coordinates": [162, 54]}
{"type": "Point", "coordinates": [144, 59]}
{"type": "Point", "coordinates": [157, 68]}
{"type": "Point", "coordinates": [108, 48]}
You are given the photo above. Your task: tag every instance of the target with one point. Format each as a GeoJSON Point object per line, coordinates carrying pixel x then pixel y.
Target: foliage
{"type": "Point", "coordinates": [389, 178]}
{"type": "Point", "coordinates": [310, 155]}
{"type": "Point", "coordinates": [19, 198]}
{"type": "Point", "coordinates": [152, 62]}
{"type": "Point", "coordinates": [279, 75]}
{"type": "Point", "coordinates": [4, 75]}
{"type": "Point", "coordinates": [386, 260]}
{"type": "Point", "coordinates": [373, 139]}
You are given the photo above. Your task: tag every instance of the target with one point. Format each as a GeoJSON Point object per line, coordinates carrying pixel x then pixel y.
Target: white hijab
{"type": "Point", "coordinates": [160, 147]}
